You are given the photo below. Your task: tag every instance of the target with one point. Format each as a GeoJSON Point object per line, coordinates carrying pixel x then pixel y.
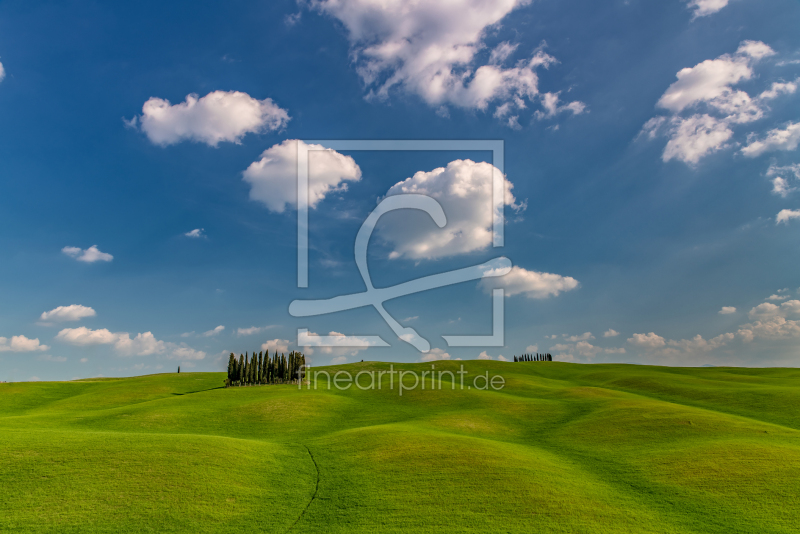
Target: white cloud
{"type": "Point", "coordinates": [339, 360]}
{"type": "Point", "coordinates": [2, 72]}
{"type": "Point", "coordinates": [698, 344]}
{"type": "Point", "coordinates": [620, 350]}
{"type": "Point", "coordinates": [435, 355]}
{"type": "Point", "coordinates": [484, 356]}
{"type": "Point", "coordinates": [727, 310]}
{"type": "Point", "coordinates": [781, 176]}
{"type": "Point", "coordinates": [83, 336]}
{"type": "Point", "coordinates": [273, 178]}
{"type": "Point", "coordinates": [553, 108]}
{"type": "Point", "coordinates": [711, 80]}
{"type": "Point", "coordinates": [530, 349]}
{"type": "Point", "coordinates": [185, 354]}
{"type": "Point", "coordinates": [774, 327]}
{"type": "Point", "coordinates": [196, 233]}
{"type": "Point", "coordinates": [84, 360]}
{"type": "Point", "coordinates": [430, 49]}
{"type": "Point", "coordinates": [73, 312]}
{"type": "Point", "coordinates": [464, 189]}
{"type": "Point", "coordinates": [784, 216]}
{"type": "Point", "coordinates": [279, 345]}
{"type": "Point", "coordinates": [768, 309]}
{"type": "Point", "coordinates": [777, 297]}
{"type": "Point", "coordinates": [339, 343]}
{"type": "Point", "coordinates": [253, 330]}
{"type": "Point", "coordinates": [647, 341]}
{"type": "Point", "coordinates": [21, 344]}
{"type": "Point", "coordinates": [704, 106]}
{"type": "Point", "coordinates": [610, 333]}
{"type": "Point", "coordinates": [213, 332]}
{"type": "Point", "coordinates": [532, 284]}
{"type": "Point", "coordinates": [706, 7]}
{"type": "Point", "coordinates": [502, 358]}
{"type": "Point", "coordinates": [90, 255]}
{"type": "Point", "coordinates": [142, 344]}
{"type": "Point", "coordinates": [218, 116]}
{"type": "Point", "coordinates": [187, 334]}
{"type": "Point", "coordinates": [583, 337]}
{"type": "Point", "coordinates": [779, 88]}
{"type": "Point", "coordinates": [695, 137]}
{"type": "Point", "coordinates": [777, 139]}
{"type": "Point", "coordinates": [586, 349]}
{"type": "Point", "coordinates": [772, 322]}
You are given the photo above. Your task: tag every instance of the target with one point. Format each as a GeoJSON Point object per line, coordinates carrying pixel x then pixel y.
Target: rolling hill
{"type": "Point", "coordinates": [562, 448]}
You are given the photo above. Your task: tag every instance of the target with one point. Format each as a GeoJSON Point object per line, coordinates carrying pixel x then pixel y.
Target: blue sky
{"type": "Point", "coordinates": [651, 149]}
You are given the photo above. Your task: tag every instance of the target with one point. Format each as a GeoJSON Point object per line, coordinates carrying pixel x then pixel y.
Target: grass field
{"type": "Point", "coordinates": [561, 448]}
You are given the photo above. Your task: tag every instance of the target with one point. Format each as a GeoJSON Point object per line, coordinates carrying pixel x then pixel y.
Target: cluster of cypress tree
{"type": "Point", "coordinates": [534, 358]}
{"type": "Point", "coordinates": [262, 369]}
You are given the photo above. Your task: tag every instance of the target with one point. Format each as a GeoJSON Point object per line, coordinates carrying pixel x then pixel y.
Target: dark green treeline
{"type": "Point", "coordinates": [261, 369]}
{"type": "Point", "coordinates": [534, 358]}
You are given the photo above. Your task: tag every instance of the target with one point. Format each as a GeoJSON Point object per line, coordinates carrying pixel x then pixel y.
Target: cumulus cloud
{"type": "Point", "coordinates": [583, 337]}
{"type": "Point", "coordinates": [89, 255]}
{"type": "Point", "coordinates": [338, 343]}
{"type": "Point", "coordinates": [214, 331]}
{"type": "Point", "coordinates": [578, 349]}
{"type": "Point", "coordinates": [338, 360]}
{"type": "Point", "coordinates": [431, 50]}
{"type": "Point", "coordinates": [702, 8]}
{"type": "Point", "coordinates": [647, 341]}
{"type": "Point", "coordinates": [83, 336]}
{"type": "Point", "coordinates": [2, 72]}
{"type": "Point", "coordinates": [73, 312]}
{"type": "Point", "coordinates": [142, 344]}
{"type": "Point", "coordinates": [772, 321]}
{"type": "Point", "coordinates": [777, 297]}
{"type": "Point", "coordinates": [21, 344]}
{"type": "Point", "coordinates": [253, 330]}
{"type": "Point", "coordinates": [484, 356]}
{"type": "Point", "coordinates": [184, 353]}
{"type": "Point", "coordinates": [779, 88]}
{"type": "Point", "coordinates": [196, 233]}
{"type": "Point", "coordinates": [218, 116]}
{"type": "Point", "coordinates": [784, 216]}
{"type": "Point", "coordinates": [698, 344]}
{"type": "Point", "coordinates": [276, 345]}
{"type": "Point", "coordinates": [704, 106]}
{"type": "Point", "coordinates": [783, 177]}
{"type": "Point", "coordinates": [530, 349]}
{"type": "Point", "coordinates": [532, 284]}
{"type": "Point", "coordinates": [435, 355]}
{"type": "Point", "coordinates": [778, 139]}
{"type": "Point", "coordinates": [727, 310]}
{"type": "Point", "coordinates": [610, 333]}
{"type": "Point", "coordinates": [464, 190]}
{"type": "Point", "coordinates": [273, 178]}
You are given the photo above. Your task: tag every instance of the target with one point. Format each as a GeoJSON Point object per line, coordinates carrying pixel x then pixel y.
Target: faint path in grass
{"type": "Point", "coordinates": [314, 496]}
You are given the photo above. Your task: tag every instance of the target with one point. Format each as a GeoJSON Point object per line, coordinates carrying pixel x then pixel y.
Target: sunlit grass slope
{"type": "Point", "coordinates": [562, 448]}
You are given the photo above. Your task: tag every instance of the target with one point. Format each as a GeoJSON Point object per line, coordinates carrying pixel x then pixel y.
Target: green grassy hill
{"type": "Point", "coordinates": [562, 448]}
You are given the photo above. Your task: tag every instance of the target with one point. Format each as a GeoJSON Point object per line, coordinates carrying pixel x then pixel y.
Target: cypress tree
{"type": "Point", "coordinates": [231, 367]}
